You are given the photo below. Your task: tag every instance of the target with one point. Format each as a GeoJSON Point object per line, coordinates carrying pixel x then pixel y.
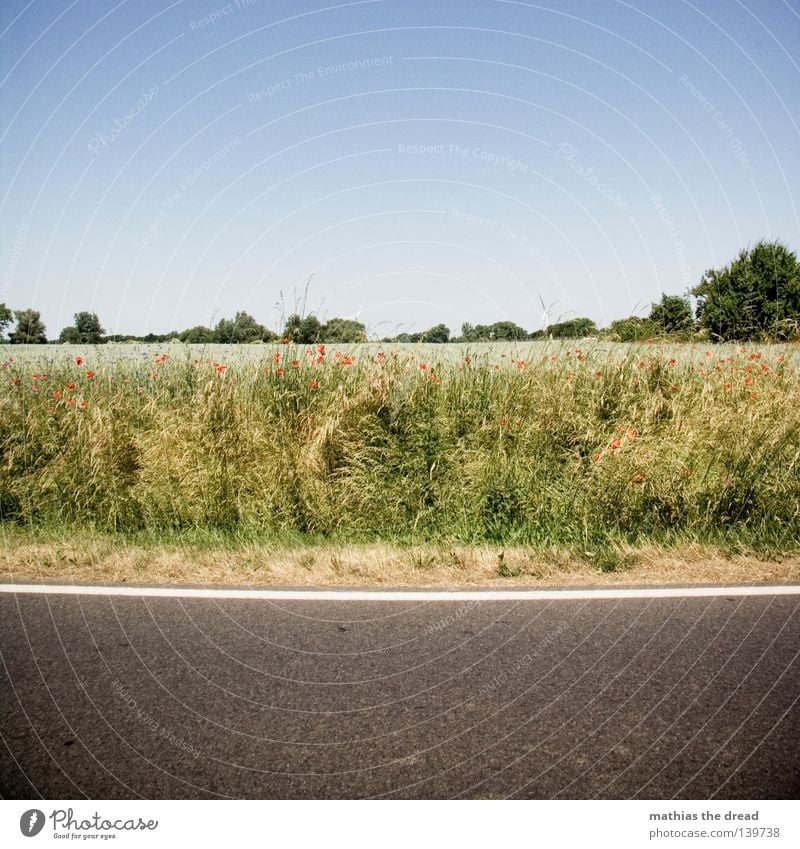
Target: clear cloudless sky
{"type": "Point", "coordinates": [421, 161]}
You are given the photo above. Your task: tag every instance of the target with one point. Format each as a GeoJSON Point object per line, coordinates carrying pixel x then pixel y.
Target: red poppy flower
{"type": "Point", "coordinates": [79, 361]}
{"type": "Point", "coordinates": [314, 384]}
{"type": "Point", "coordinates": [89, 375]}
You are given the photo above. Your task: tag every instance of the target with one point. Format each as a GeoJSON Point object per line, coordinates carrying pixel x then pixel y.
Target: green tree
{"type": "Point", "coordinates": [633, 329]}
{"type": "Point", "coordinates": [70, 336]}
{"type": "Point", "coordinates": [6, 317]}
{"type": "Point", "coordinates": [439, 334]}
{"type": "Point", "coordinates": [303, 331]}
{"type": "Point", "coordinates": [199, 335]}
{"type": "Point", "coordinates": [756, 296]}
{"type": "Point", "coordinates": [575, 328]}
{"type": "Point", "coordinates": [507, 331]}
{"type": "Point", "coordinates": [500, 330]}
{"type": "Point", "coordinates": [672, 314]}
{"type": "Point", "coordinates": [30, 329]}
{"type": "Point", "coordinates": [243, 328]}
{"type": "Point", "coordinates": [86, 330]}
{"type": "Point", "coordinates": [89, 328]}
{"type": "Point", "coordinates": [343, 330]}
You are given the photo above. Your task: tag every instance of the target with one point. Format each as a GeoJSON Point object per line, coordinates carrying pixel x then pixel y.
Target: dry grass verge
{"type": "Point", "coordinates": [101, 560]}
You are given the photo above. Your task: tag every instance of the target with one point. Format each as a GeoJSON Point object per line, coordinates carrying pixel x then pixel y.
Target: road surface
{"type": "Point", "coordinates": [125, 697]}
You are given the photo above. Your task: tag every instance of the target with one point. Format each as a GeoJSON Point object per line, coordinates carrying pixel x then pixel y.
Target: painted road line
{"type": "Point", "coordinates": [400, 595]}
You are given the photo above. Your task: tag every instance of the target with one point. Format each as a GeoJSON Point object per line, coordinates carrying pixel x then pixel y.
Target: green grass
{"type": "Point", "coordinates": [538, 444]}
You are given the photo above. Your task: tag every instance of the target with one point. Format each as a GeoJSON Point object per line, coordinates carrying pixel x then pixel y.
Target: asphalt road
{"type": "Point", "coordinates": [109, 697]}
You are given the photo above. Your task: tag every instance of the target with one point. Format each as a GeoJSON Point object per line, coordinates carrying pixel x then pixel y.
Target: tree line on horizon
{"type": "Point", "coordinates": [756, 297]}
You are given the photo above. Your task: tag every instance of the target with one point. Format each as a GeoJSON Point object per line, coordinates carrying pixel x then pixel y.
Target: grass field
{"type": "Point", "coordinates": [587, 451]}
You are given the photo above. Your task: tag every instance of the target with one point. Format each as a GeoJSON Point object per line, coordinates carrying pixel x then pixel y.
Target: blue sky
{"type": "Point", "coordinates": [165, 165]}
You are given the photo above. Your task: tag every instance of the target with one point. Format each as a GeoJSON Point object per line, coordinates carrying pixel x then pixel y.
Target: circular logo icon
{"type": "Point", "coordinates": [31, 822]}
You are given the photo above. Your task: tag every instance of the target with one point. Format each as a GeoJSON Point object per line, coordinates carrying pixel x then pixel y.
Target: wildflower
{"type": "Point", "coordinates": [285, 340]}
{"type": "Point", "coordinates": [753, 396]}
{"type": "Point", "coordinates": [596, 455]}
{"type": "Point", "coordinates": [381, 355]}
{"type": "Point", "coordinates": [504, 421]}
{"type": "Point", "coordinates": [673, 362]}
{"type": "Point", "coordinates": [15, 381]}
{"type": "Point", "coordinates": [84, 404]}
{"type": "Point", "coordinates": [89, 375]}
{"type": "Point", "coordinates": [726, 386]}
{"type": "Point", "coordinates": [748, 381]}
{"type": "Point", "coordinates": [637, 478]}
{"type": "Point", "coordinates": [423, 366]}
{"type": "Point", "coordinates": [279, 372]}
{"type": "Point", "coordinates": [314, 383]}
{"type": "Point", "coordinates": [71, 387]}
{"type": "Point", "coordinates": [295, 363]}
{"type": "Point", "coordinates": [615, 443]}
{"type": "Point", "coordinates": [34, 376]}
{"type": "Point", "coordinates": [79, 361]}
{"type": "Point", "coordinates": [56, 394]}
{"type": "Point", "coordinates": [321, 349]}
{"type": "Point", "coordinates": [276, 357]}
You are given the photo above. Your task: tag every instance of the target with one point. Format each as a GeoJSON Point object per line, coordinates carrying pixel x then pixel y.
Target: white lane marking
{"type": "Point", "coordinates": [401, 595]}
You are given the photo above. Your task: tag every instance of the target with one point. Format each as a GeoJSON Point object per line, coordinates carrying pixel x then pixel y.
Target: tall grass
{"type": "Point", "coordinates": [548, 445]}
